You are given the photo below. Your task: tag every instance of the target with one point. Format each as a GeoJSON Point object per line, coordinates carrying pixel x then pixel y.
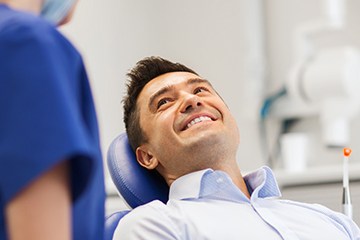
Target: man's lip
{"type": "Point", "coordinates": [191, 118]}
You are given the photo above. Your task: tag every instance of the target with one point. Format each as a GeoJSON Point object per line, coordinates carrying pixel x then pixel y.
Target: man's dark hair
{"type": "Point", "coordinates": [144, 71]}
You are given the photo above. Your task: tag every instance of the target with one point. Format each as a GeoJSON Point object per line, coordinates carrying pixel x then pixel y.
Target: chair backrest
{"type": "Point", "coordinates": [136, 184]}
{"type": "Point", "coordinates": [111, 223]}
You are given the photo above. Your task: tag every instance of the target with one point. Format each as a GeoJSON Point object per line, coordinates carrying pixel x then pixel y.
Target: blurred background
{"type": "Point", "coordinates": [288, 70]}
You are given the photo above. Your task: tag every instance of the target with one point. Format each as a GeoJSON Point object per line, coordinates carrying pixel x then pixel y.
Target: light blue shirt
{"type": "Point", "coordinates": [207, 205]}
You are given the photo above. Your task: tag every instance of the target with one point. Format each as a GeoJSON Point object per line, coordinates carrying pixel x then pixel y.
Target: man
{"type": "Point", "coordinates": [178, 124]}
{"type": "Point", "coordinates": [51, 175]}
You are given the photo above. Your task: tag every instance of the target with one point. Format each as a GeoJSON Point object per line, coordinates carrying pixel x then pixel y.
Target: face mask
{"type": "Point", "coordinates": [56, 10]}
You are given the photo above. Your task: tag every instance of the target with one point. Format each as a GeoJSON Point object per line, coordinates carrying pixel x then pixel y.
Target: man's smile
{"type": "Point", "coordinates": [199, 118]}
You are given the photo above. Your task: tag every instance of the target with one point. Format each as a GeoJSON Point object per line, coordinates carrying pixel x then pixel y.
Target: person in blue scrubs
{"type": "Point", "coordinates": [51, 169]}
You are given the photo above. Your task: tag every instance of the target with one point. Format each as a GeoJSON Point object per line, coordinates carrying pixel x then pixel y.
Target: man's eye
{"type": "Point", "coordinates": [200, 89]}
{"type": "Point", "coordinates": [162, 102]}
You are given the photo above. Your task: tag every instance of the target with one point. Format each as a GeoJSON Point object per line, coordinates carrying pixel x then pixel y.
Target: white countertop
{"type": "Point", "coordinates": [315, 175]}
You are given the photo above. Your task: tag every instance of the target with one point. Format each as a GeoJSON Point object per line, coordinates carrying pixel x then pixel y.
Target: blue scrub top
{"type": "Point", "coordinates": [47, 115]}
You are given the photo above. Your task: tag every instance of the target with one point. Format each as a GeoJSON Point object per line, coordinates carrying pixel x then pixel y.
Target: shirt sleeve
{"type": "Point", "coordinates": [350, 226]}
{"type": "Point", "coordinates": [344, 223]}
{"type": "Point", "coordinates": [148, 222]}
{"type": "Point", "coordinates": [40, 112]}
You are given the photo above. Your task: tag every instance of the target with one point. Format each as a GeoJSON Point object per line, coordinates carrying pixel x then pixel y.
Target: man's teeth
{"type": "Point", "coordinates": [197, 120]}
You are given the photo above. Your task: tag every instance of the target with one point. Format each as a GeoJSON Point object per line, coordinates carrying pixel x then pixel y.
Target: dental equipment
{"type": "Point", "coordinates": [346, 200]}
{"type": "Point", "coordinates": [322, 82]}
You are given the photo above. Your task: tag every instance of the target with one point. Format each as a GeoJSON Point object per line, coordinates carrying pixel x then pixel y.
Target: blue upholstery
{"type": "Point", "coordinates": [136, 184]}
{"type": "Point", "coordinates": [111, 223]}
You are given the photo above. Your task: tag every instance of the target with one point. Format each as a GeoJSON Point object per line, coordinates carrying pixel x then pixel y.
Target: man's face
{"type": "Point", "coordinates": [187, 124]}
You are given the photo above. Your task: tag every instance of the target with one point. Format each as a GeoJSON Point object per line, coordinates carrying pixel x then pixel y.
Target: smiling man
{"type": "Point", "coordinates": [178, 125]}
{"type": "Point", "coordinates": [183, 112]}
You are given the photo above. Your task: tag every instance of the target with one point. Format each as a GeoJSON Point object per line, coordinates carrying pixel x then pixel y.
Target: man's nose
{"type": "Point", "coordinates": [190, 102]}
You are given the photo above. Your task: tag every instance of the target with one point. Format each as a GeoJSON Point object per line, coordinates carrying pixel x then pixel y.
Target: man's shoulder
{"type": "Point", "coordinates": [154, 219]}
{"type": "Point", "coordinates": [155, 207]}
{"type": "Point", "coordinates": [155, 212]}
{"type": "Point", "coordinates": [316, 208]}
{"type": "Point", "coordinates": [312, 206]}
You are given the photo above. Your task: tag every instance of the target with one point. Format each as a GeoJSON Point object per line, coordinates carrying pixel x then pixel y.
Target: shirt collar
{"type": "Point", "coordinates": [217, 184]}
{"type": "Point", "coordinates": [262, 183]}
{"type": "Point", "coordinates": [187, 186]}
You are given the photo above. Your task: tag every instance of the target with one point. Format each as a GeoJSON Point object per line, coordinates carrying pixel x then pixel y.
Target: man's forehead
{"type": "Point", "coordinates": [171, 79]}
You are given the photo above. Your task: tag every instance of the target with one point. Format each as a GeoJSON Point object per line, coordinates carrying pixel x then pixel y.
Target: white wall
{"type": "Point", "coordinates": [225, 41]}
{"type": "Point", "coordinates": [221, 40]}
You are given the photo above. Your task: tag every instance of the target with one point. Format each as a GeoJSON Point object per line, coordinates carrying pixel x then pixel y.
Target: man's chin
{"type": "Point", "coordinates": [205, 139]}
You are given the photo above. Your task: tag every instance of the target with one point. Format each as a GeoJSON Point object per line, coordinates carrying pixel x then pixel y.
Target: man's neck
{"type": "Point", "coordinates": [233, 172]}
{"type": "Point", "coordinates": [236, 176]}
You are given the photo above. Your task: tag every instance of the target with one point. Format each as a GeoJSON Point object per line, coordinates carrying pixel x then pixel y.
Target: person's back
{"type": "Point", "coordinates": [49, 143]}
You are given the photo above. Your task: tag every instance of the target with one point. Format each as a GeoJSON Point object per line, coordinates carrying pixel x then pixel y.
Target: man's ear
{"type": "Point", "coordinates": [145, 158]}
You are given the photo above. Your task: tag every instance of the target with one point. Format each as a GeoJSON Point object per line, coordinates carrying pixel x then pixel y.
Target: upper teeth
{"type": "Point", "coordinates": [197, 120]}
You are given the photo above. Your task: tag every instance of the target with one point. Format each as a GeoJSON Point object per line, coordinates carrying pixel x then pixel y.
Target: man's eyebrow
{"type": "Point", "coordinates": [159, 93]}
{"type": "Point", "coordinates": [198, 80]}
{"type": "Point", "coordinates": [170, 87]}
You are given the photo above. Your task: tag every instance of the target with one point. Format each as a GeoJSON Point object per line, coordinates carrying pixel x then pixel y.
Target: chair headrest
{"type": "Point", "coordinates": [136, 184]}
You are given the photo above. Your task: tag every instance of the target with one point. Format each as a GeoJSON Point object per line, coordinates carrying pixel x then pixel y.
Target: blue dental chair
{"type": "Point", "coordinates": [136, 184]}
